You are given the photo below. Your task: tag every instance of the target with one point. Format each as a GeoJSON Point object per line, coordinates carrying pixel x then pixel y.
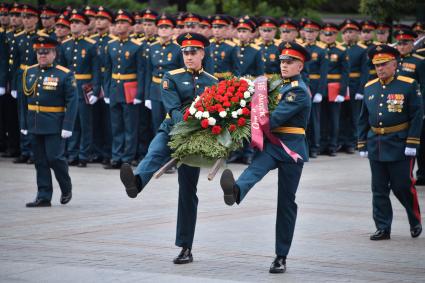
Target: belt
{"type": "Point", "coordinates": [23, 66]}
{"type": "Point", "coordinates": [124, 76]}
{"type": "Point", "coordinates": [314, 76]}
{"type": "Point", "coordinates": [156, 79]}
{"type": "Point", "coordinates": [223, 75]}
{"type": "Point", "coordinates": [54, 109]}
{"type": "Point", "coordinates": [289, 130]}
{"type": "Point", "coordinates": [354, 75]}
{"type": "Point", "coordinates": [389, 130]}
{"type": "Point", "coordinates": [334, 76]}
{"type": "Point", "coordinates": [372, 72]}
{"type": "Point", "coordinates": [83, 76]}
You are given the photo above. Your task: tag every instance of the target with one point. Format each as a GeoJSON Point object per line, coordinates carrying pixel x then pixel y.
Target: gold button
{"type": "Point", "coordinates": [27, 51]}
{"type": "Point", "coordinates": [160, 75]}
{"type": "Point", "coordinates": [119, 66]}
{"type": "Point", "coordinates": [75, 57]}
{"type": "Point", "coordinates": [36, 101]}
{"type": "Point", "coordinates": [160, 61]}
{"type": "Point", "coordinates": [196, 78]}
{"type": "Point", "coordinates": [119, 51]}
{"type": "Point", "coordinates": [197, 86]}
{"type": "Point", "coordinates": [75, 65]}
{"type": "Point", "coordinates": [241, 62]}
{"type": "Point", "coordinates": [42, 71]}
{"type": "Point", "coordinates": [39, 85]}
{"type": "Point", "coordinates": [75, 50]}
{"type": "Point", "coordinates": [40, 78]}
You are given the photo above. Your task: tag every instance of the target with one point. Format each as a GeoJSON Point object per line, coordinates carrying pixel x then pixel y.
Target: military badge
{"type": "Point", "coordinates": [290, 97]}
{"type": "Point", "coordinates": [165, 84]}
{"type": "Point", "coordinates": [222, 54]}
{"type": "Point", "coordinates": [314, 56]}
{"type": "Point", "coordinates": [272, 57]}
{"type": "Point", "coordinates": [169, 56]}
{"type": "Point", "coordinates": [334, 57]}
{"type": "Point", "coordinates": [83, 53]}
{"type": "Point", "coordinates": [127, 55]}
{"type": "Point", "coordinates": [395, 102]}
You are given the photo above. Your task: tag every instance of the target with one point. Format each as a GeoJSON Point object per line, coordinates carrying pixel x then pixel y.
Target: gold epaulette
{"type": "Point", "coordinates": [418, 56]}
{"type": "Point", "coordinates": [321, 44]}
{"type": "Point", "coordinates": [255, 46]}
{"type": "Point", "coordinates": [229, 42]}
{"type": "Point", "coordinates": [42, 33]}
{"type": "Point", "coordinates": [177, 71]}
{"type": "Point", "coordinates": [94, 35]}
{"type": "Point", "coordinates": [62, 68]}
{"type": "Point", "coordinates": [371, 82]}
{"type": "Point", "coordinates": [420, 50]}
{"type": "Point", "coordinates": [1, 29]}
{"type": "Point", "coordinates": [361, 45]}
{"type": "Point", "coordinates": [154, 43]}
{"type": "Point", "coordinates": [208, 74]}
{"type": "Point", "coordinates": [299, 41]}
{"type": "Point", "coordinates": [19, 33]}
{"type": "Point", "coordinates": [112, 40]}
{"type": "Point", "coordinates": [294, 83]}
{"type": "Point", "coordinates": [340, 47]}
{"type": "Point", "coordinates": [405, 79]}
{"type": "Point", "coordinates": [136, 41]}
{"type": "Point", "coordinates": [90, 40]}
{"type": "Point", "coordinates": [66, 40]}
{"type": "Point", "coordinates": [277, 42]}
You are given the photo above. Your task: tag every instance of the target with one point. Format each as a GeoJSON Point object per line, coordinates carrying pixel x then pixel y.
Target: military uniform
{"type": "Point", "coordinates": [269, 49]}
{"type": "Point", "coordinates": [47, 12]}
{"type": "Point", "coordinates": [390, 123]}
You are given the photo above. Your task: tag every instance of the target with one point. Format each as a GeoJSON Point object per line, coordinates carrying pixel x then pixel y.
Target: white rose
{"type": "Point", "coordinates": [192, 110]}
{"type": "Point", "coordinates": [235, 114]}
{"type": "Point", "coordinates": [246, 94]}
{"type": "Point", "coordinates": [222, 114]}
{"type": "Point", "coordinates": [239, 111]}
{"type": "Point", "coordinates": [198, 115]}
{"type": "Point", "coordinates": [211, 121]}
{"type": "Point", "coordinates": [206, 114]}
{"type": "Point", "coordinates": [243, 103]}
{"type": "Point", "coordinates": [251, 89]}
{"type": "Point", "coordinates": [197, 98]}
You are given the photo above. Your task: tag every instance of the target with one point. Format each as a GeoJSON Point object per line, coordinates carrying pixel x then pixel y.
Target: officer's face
{"type": "Point", "coordinates": [165, 31]}
{"type": "Point", "coordinates": [404, 47]}
{"type": "Point", "coordinates": [149, 28]}
{"type": "Point", "coordinates": [122, 28]}
{"type": "Point", "coordinates": [328, 37]}
{"type": "Point", "coordinates": [29, 21]}
{"type": "Point", "coordinates": [267, 34]}
{"type": "Point", "coordinates": [138, 26]}
{"type": "Point", "coordinates": [102, 24]}
{"type": "Point", "coordinates": [92, 23]}
{"type": "Point", "coordinates": [205, 30]}
{"type": "Point", "coordinates": [15, 20]}
{"type": "Point", "coordinates": [244, 35]}
{"type": "Point", "coordinates": [219, 31]}
{"type": "Point", "coordinates": [178, 31]}
{"type": "Point", "coordinates": [311, 35]}
{"type": "Point", "coordinates": [193, 59]}
{"type": "Point", "coordinates": [349, 35]}
{"type": "Point", "coordinates": [290, 68]}
{"type": "Point", "coordinates": [47, 21]}
{"type": "Point", "coordinates": [386, 70]}
{"type": "Point", "coordinates": [382, 35]}
{"type": "Point", "coordinates": [62, 31]}
{"type": "Point", "coordinates": [288, 34]}
{"type": "Point", "coordinates": [46, 56]}
{"type": "Point", "coordinates": [4, 20]}
{"type": "Point", "coordinates": [78, 27]}
{"type": "Point", "coordinates": [366, 35]}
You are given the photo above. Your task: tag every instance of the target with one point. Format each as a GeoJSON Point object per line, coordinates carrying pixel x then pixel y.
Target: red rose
{"type": "Point", "coordinates": [216, 130]}
{"type": "Point", "coordinates": [232, 128]}
{"type": "Point", "coordinates": [226, 104]}
{"type": "Point", "coordinates": [245, 111]}
{"type": "Point", "coordinates": [201, 109]}
{"type": "Point", "coordinates": [242, 88]}
{"type": "Point", "coordinates": [204, 123]}
{"type": "Point", "coordinates": [241, 122]}
{"type": "Point", "coordinates": [186, 115]}
{"type": "Point", "coordinates": [234, 99]}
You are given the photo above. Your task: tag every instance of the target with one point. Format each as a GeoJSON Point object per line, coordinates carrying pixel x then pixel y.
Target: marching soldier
{"type": "Point", "coordinates": [389, 129]}
{"type": "Point", "coordinates": [124, 86]}
{"type": "Point", "coordinates": [288, 122]}
{"type": "Point", "coordinates": [138, 26]}
{"type": "Point", "coordinates": [91, 13]}
{"type": "Point", "coordinates": [49, 109]}
{"type": "Point", "coordinates": [383, 35]}
{"type": "Point", "coordinates": [269, 45]}
{"type": "Point", "coordinates": [318, 69]}
{"type": "Point", "coordinates": [177, 95]}
{"type": "Point", "coordinates": [79, 54]}
{"type": "Point", "coordinates": [62, 29]}
{"type": "Point", "coordinates": [48, 19]}
{"type": "Point", "coordinates": [149, 28]}
{"type": "Point", "coordinates": [338, 71]}
{"type": "Point", "coordinates": [288, 30]}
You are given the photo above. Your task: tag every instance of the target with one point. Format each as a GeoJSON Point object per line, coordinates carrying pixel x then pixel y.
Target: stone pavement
{"type": "Point", "coordinates": [103, 236]}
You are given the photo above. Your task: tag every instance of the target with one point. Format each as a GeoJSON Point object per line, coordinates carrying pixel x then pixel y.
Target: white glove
{"type": "Point", "coordinates": [107, 100]}
{"type": "Point", "coordinates": [148, 104]}
{"type": "Point", "coordinates": [317, 98]}
{"type": "Point", "coordinates": [339, 99]}
{"type": "Point", "coordinates": [410, 151]}
{"type": "Point", "coordinates": [363, 154]}
{"type": "Point", "coordinates": [14, 94]}
{"type": "Point", "coordinates": [24, 132]}
{"type": "Point", "coordinates": [66, 134]}
{"type": "Point", "coordinates": [2, 91]}
{"type": "Point", "coordinates": [93, 99]}
{"type": "Point", "coordinates": [358, 96]}
{"type": "Point", "coordinates": [136, 101]}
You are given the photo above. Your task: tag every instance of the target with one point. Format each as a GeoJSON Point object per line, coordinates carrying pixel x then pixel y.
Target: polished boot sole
{"type": "Point", "coordinates": [227, 182]}
{"type": "Point", "coordinates": [129, 180]}
{"type": "Point", "coordinates": [277, 271]}
{"type": "Point", "coordinates": [65, 200]}
{"type": "Point", "coordinates": [189, 260]}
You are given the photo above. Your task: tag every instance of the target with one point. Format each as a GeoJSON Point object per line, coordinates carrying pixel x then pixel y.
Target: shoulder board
{"type": "Point", "coordinates": [208, 74]}
{"type": "Point", "coordinates": [90, 40]}
{"type": "Point", "coordinates": [66, 40]}
{"type": "Point", "coordinates": [236, 41]}
{"type": "Point", "coordinates": [112, 40]}
{"type": "Point", "coordinates": [212, 40]}
{"type": "Point", "coordinates": [294, 83]}
{"type": "Point", "coordinates": [258, 41]}
{"type": "Point", "coordinates": [42, 33]}
{"type": "Point", "coordinates": [277, 41]}
{"type": "Point", "coordinates": [32, 66]}
{"type": "Point", "coordinates": [177, 71]}
{"type": "Point", "coordinates": [361, 45]}
{"type": "Point", "coordinates": [371, 82]}
{"type": "Point", "coordinates": [299, 41]}
{"type": "Point", "coordinates": [320, 44]}
{"type": "Point", "coordinates": [418, 56]}
{"type": "Point", "coordinates": [420, 50]}
{"type": "Point", "coordinates": [62, 68]}
{"type": "Point", "coordinates": [405, 79]}
{"type": "Point", "coordinates": [377, 42]}
{"type": "Point", "coordinates": [1, 29]}
{"type": "Point", "coordinates": [340, 47]}
{"type": "Point", "coordinates": [136, 41]}
{"type": "Point", "coordinates": [154, 43]}
{"type": "Point", "coordinates": [20, 33]}
{"type": "Point", "coordinates": [229, 42]}
{"type": "Point", "coordinates": [94, 35]}
{"type": "Point", "coordinates": [255, 46]}
{"type": "Point", "coordinates": [112, 37]}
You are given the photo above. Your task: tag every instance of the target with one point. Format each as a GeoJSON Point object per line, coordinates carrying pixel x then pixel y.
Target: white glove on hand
{"type": "Point", "coordinates": [317, 98]}
{"type": "Point", "coordinates": [339, 99]}
{"type": "Point", "coordinates": [24, 132]}
{"type": "Point", "coordinates": [409, 151]}
{"type": "Point", "coordinates": [14, 94]}
{"type": "Point", "coordinates": [66, 134]}
{"type": "Point", "coordinates": [358, 96]}
{"type": "Point", "coordinates": [148, 104]}
{"type": "Point", "coordinates": [363, 154]}
{"type": "Point", "coordinates": [93, 99]}
{"type": "Point", "coordinates": [107, 100]}
{"type": "Point", "coordinates": [136, 101]}
{"type": "Point", "coordinates": [2, 91]}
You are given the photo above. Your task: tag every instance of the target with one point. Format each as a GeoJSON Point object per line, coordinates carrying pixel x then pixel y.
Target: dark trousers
{"type": "Point", "coordinates": [350, 113]}
{"type": "Point", "coordinates": [289, 175]}
{"type": "Point", "coordinates": [9, 113]}
{"type": "Point", "coordinates": [49, 153]}
{"type": "Point", "coordinates": [145, 133]}
{"type": "Point", "coordinates": [81, 141]}
{"type": "Point", "coordinates": [158, 115]}
{"type": "Point", "coordinates": [420, 173]}
{"type": "Point", "coordinates": [314, 127]}
{"type": "Point", "coordinates": [397, 177]}
{"type": "Point", "coordinates": [330, 124]}
{"type": "Point", "coordinates": [102, 132]}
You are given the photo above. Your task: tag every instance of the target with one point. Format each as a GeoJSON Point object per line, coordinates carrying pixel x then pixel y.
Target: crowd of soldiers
{"type": "Point", "coordinates": [114, 127]}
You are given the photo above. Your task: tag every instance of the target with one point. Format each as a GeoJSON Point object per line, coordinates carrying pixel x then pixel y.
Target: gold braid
{"type": "Point", "coordinates": [32, 89]}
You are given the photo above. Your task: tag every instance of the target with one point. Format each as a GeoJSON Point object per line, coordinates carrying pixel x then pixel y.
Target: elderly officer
{"type": "Point", "coordinates": [288, 122]}
{"type": "Point", "coordinates": [49, 109]}
{"type": "Point", "coordinates": [78, 53]}
{"type": "Point", "coordinates": [124, 86]}
{"type": "Point", "coordinates": [389, 129]}
{"type": "Point", "coordinates": [179, 87]}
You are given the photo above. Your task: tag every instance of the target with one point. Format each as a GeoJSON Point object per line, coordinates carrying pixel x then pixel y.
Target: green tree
{"type": "Point", "coordinates": [387, 10]}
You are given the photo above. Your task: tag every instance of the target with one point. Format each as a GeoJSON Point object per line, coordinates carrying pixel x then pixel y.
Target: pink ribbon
{"type": "Point", "coordinates": [260, 122]}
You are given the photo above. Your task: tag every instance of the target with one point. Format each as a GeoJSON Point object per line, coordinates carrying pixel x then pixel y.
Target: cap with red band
{"type": "Point", "coordinates": [405, 35]}
{"type": "Point", "coordinates": [30, 10]}
{"type": "Point", "coordinates": [165, 20]}
{"type": "Point", "coordinates": [90, 11]}
{"type": "Point", "coordinates": [246, 23]}
{"type": "Point", "coordinates": [62, 20]}
{"type": "Point", "coordinates": [310, 24]}
{"type": "Point", "coordinates": [288, 23]}
{"type": "Point", "coordinates": [292, 50]}
{"type": "Point", "coordinates": [105, 13]}
{"type": "Point", "coordinates": [349, 24]}
{"type": "Point", "coordinates": [123, 15]}
{"type": "Point", "coordinates": [44, 42]}
{"type": "Point", "coordinates": [149, 15]}
{"type": "Point", "coordinates": [331, 27]}
{"type": "Point", "coordinates": [192, 41]}
{"type": "Point", "coordinates": [49, 11]}
{"type": "Point", "coordinates": [383, 53]}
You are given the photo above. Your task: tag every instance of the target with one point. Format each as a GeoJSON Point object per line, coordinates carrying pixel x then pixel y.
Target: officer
{"type": "Point", "coordinates": [359, 68]}
{"type": "Point", "coordinates": [318, 69]}
{"type": "Point", "coordinates": [149, 28]}
{"type": "Point", "coordinates": [338, 71]}
{"type": "Point", "coordinates": [48, 18]}
{"type": "Point", "coordinates": [383, 33]}
{"type": "Point", "coordinates": [125, 69]}
{"type": "Point", "coordinates": [205, 26]}
{"type": "Point", "coordinates": [91, 13]}
{"type": "Point", "coordinates": [79, 54]}
{"type": "Point", "coordinates": [413, 66]}
{"type": "Point", "coordinates": [49, 109]}
{"type": "Point", "coordinates": [102, 132]}
{"type": "Point", "coordinates": [164, 55]}
{"type": "Point", "coordinates": [389, 129]}
{"type": "Point", "coordinates": [62, 28]}
{"type": "Point", "coordinates": [366, 38]}
{"type": "Point", "coordinates": [419, 29]}
{"type": "Point", "coordinates": [177, 96]}
{"type": "Point", "coordinates": [138, 26]}
{"type": "Point", "coordinates": [288, 29]}
{"type": "Point", "coordinates": [222, 50]}
{"type": "Point", "coordinates": [288, 122]}
{"type": "Point", "coordinates": [269, 45]}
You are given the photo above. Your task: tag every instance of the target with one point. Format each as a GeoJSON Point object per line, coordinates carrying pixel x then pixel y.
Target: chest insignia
{"type": "Point", "coordinates": [127, 55]}
{"type": "Point", "coordinates": [169, 56]}
{"type": "Point", "coordinates": [83, 53]}
{"type": "Point", "coordinates": [395, 102]}
{"type": "Point", "coordinates": [334, 57]}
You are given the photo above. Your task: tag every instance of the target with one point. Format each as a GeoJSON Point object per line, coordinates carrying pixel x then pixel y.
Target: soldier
{"type": "Point", "coordinates": [124, 86]}
{"type": "Point", "coordinates": [288, 30]}
{"type": "Point", "coordinates": [269, 45]}
{"type": "Point", "coordinates": [149, 28]}
{"type": "Point", "coordinates": [48, 19]}
{"type": "Point", "coordinates": [318, 69]}
{"type": "Point", "coordinates": [91, 13]}
{"type": "Point", "coordinates": [389, 129]}
{"type": "Point", "coordinates": [138, 26]}
{"type": "Point", "coordinates": [79, 54]}
{"type": "Point", "coordinates": [383, 33]}
{"type": "Point", "coordinates": [288, 122]}
{"type": "Point", "coordinates": [359, 68]}
{"type": "Point", "coordinates": [222, 50]}
{"type": "Point", "coordinates": [413, 66]}
{"type": "Point", "coordinates": [62, 29]}
{"type": "Point", "coordinates": [205, 27]}
{"type": "Point", "coordinates": [419, 29]}
{"type": "Point", "coordinates": [49, 109]}
{"type": "Point", "coordinates": [164, 55]}
{"type": "Point", "coordinates": [4, 72]}
{"type": "Point", "coordinates": [338, 70]}
{"type": "Point", "coordinates": [366, 38]}
{"type": "Point", "coordinates": [177, 96]}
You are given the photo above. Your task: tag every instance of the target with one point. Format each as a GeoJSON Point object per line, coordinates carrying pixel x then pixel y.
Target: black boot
{"type": "Point", "coordinates": [133, 185]}
{"type": "Point", "coordinates": [39, 203]}
{"type": "Point", "coordinates": [65, 198]}
{"type": "Point", "coordinates": [278, 265]}
{"type": "Point", "coordinates": [228, 185]}
{"type": "Point", "coordinates": [185, 256]}
{"type": "Point", "coordinates": [416, 231]}
{"type": "Point", "coordinates": [380, 235]}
